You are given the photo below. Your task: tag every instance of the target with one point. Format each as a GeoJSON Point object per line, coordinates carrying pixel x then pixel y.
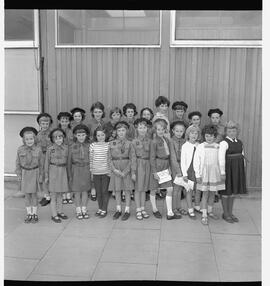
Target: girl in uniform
{"type": "Point", "coordinates": [64, 119]}
{"type": "Point", "coordinates": [97, 120]}
{"type": "Point", "coordinates": [232, 165]}
{"type": "Point", "coordinates": [178, 130]}
{"type": "Point", "coordinates": [160, 157]}
{"type": "Point", "coordinates": [140, 167]}
{"type": "Point", "coordinates": [78, 169]}
{"type": "Point", "coordinates": [29, 169]}
{"type": "Point", "coordinates": [120, 152]}
{"type": "Point", "coordinates": [78, 116]}
{"type": "Point", "coordinates": [56, 172]}
{"type": "Point", "coordinates": [100, 169]}
{"type": "Point", "coordinates": [45, 122]}
{"type": "Point", "coordinates": [187, 157]}
{"type": "Point", "coordinates": [207, 171]}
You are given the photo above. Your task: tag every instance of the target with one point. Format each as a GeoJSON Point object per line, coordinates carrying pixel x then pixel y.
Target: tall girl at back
{"type": "Point", "coordinates": [78, 169]}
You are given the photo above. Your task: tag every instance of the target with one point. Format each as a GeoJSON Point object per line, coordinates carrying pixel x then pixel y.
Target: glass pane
{"type": "Point", "coordinates": [19, 25]}
{"type": "Point", "coordinates": [108, 27]}
{"type": "Point", "coordinates": [218, 25]}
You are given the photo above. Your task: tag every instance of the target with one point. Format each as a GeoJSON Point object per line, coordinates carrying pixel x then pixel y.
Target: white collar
{"type": "Point", "coordinates": [231, 139]}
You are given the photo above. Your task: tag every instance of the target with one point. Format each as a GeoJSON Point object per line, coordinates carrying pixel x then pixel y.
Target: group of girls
{"type": "Point", "coordinates": [129, 154]}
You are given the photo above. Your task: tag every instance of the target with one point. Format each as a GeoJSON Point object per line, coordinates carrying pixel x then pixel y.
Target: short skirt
{"type": "Point", "coordinates": [142, 175]}
{"type": "Point", "coordinates": [58, 182]}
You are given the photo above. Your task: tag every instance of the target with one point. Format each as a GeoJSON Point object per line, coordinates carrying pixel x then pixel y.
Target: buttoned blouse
{"type": "Point", "coordinates": [43, 139]}
{"type": "Point", "coordinates": [186, 156]}
{"type": "Point", "coordinates": [141, 147]}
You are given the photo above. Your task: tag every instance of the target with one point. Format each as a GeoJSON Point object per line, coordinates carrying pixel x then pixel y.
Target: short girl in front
{"type": "Point", "coordinates": [56, 172]}
{"type": "Point", "coordinates": [100, 169]}
{"type": "Point", "coordinates": [120, 152]}
{"type": "Point", "coordinates": [64, 119]}
{"type": "Point", "coordinates": [45, 122]}
{"type": "Point", "coordinates": [130, 111]}
{"type": "Point", "coordinates": [160, 159]}
{"type": "Point", "coordinates": [187, 157]}
{"type": "Point", "coordinates": [207, 171]}
{"type": "Point", "coordinates": [78, 116]}
{"type": "Point", "coordinates": [177, 141]}
{"type": "Point", "coordinates": [29, 169]}
{"type": "Point", "coordinates": [140, 167]}
{"type": "Point", "coordinates": [78, 169]}
{"type": "Point", "coordinates": [232, 165]}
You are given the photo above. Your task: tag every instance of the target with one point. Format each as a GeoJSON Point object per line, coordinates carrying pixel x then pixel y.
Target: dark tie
{"type": "Point", "coordinates": [122, 146]}
{"type": "Point", "coordinates": [193, 154]}
{"type": "Point", "coordinates": [29, 156]}
{"type": "Point", "coordinates": [81, 151]}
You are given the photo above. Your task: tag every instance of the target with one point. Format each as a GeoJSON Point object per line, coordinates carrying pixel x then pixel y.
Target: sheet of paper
{"type": "Point", "coordinates": [189, 185]}
{"type": "Point", "coordinates": [164, 176]}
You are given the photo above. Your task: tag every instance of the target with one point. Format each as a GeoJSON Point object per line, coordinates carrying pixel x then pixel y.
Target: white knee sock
{"type": "Point", "coordinates": [84, 209]}
{"type": "Point", "coordinates": [78, 210]}
{"type": "Point", "coordinates": [210, 209]}
{"type": "Point", "coordinates": [153, 203]}
{"type": "Point", "coordinates": [28, 210]}
{"type": "Point", "coordinates": [204, 212]}
{"type": "Point", "coordinates": [34, 210]}
{"type": "Point", "coordinates": [169, 205]}
{"type": "Point", "coordinates": [118, 208]}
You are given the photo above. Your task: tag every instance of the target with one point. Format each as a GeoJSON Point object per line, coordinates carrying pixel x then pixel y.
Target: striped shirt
{"type": "Point", "coordinates": [99, 159]}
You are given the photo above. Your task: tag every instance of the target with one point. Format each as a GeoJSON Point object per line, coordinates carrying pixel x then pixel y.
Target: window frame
{"type": "Point", "coordinates": [208, 43]}
{"type": "Point", "coordinates": [27, 44]}
{"type": "Point", "coordinates": [105, 46]}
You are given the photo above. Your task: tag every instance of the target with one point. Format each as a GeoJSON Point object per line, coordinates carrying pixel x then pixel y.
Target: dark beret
{"type": "Point", "coordinates": [44, 114]}
{"type": "Point", "coordinates": [177, 122]}
{"type": "Point", "coordinates": [141, 120]}
{"type": "Point", "coordinates": [216, 110]}
{"type": "Point", "coordinates": [28, 129]}
{"type": "Point", "coordinates": [55, 130]}
{"type": "Point", "coordinates": [64, 114]}
{"type": "Point", "coordinates": [179, 103]}
{"type": "Point", "coordinates": [191, 114]}
{"type": "Point", "coordinates": [77, 109]}
{"type": "Point", "coordinates": [81, 127]}
{"type": "Point", "coordinates": [121, 123]}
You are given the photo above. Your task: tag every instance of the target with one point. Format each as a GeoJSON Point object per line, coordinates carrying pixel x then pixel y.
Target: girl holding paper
{"type": "Point", "coordinates": [187, 155]}
{"type": "Point", "coordinates": [160, 157]}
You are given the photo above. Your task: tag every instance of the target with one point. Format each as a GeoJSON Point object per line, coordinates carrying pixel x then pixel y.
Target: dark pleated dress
{"type": "Point", "coordinates": [235, 182]}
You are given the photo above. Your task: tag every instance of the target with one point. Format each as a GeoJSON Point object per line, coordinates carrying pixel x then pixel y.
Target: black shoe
{"type": "Point", "coordinates": [103, 214]}
{"type": "Point", "coordinates": [174, 216]}
{"type": "Point", "coordinates": [132, 197]}
{"type": "Point", "coordinates": [44, 202]}
{"type": "Point", "coordinates": [125, 216]}
{"type": "Point", "coordinates": [97, 214]}
{"type": "Point", "coordinates": [235, 219]}
{"type": "Point", "coordinates": [159, 196]}
{"type": "Point", "coordinates": [216, 199]}
{"type": "Point", "coordinates": [93, 197]}
{"type": "Point", "coordinates": [28, 218]}
{"type": "Point", "coordinates": [34, 218]}
{"type": "Point", "coordinates": [147, 196]}
{"type": "Point", "coordinates": [227, 219]}
{"type": "Point", "coordinates": [56, 219]}
{"type": "Point", "coordinates": [157, 214]}
{"type": "Point", "coordinates": [117, 215]}
{"type": "Point", "coordinates": [62, 216]}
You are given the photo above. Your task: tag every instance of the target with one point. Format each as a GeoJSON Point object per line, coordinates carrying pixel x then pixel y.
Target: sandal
{"type": "Point", "coordinates": [56, 219]}
{"type": "Point", "coordinates": [213, 216]}
{"type": "Point", "coordinates": [62, 216]}
{"type": "Point", "coordinates": [192, 215]}
{"type": "Point", "coordinates": [93, 197]}
{"type": "Point", "coordinates": [70, 201]}
{"type": "Point", "coordinates": [28, 218]}
{"type": "Point", "coordinates": [145, 214]}
{"type": "Point", "coordinates": [79, 216]}
{"type": "Point", "coordinates": [182, 211]}
{"type": "Point", "coordinates": [65, 201]}
{"type": "Point", "coordinates": [98, 213]}
{"type": "Point", "coordinates": [139, 215]}
{"type": "Point", "coordinates": [85, 215]}
{"type": "Point", "coordinates": [103, 214]}
{"type": "Point", "coordinates": [204, 220]}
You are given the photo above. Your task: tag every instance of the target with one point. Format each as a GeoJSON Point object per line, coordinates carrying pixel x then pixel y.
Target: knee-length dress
{"type": "Point", "coordinates": [141, 163]}
{"type": "Point", "coordinates": [120, 154]}
{"type": "Point", "coordinates": [159, 161]}
{"type": "Point", "coordinates": [235, 182]}
{"type": "Point", "coordinates": [79, 167]}
{"type": "Point", "coordinates": [56, 168]}
{"type": "Point", "coordinates": [206, 166]}
{"type": "Point", "coordinates": [29, 168]}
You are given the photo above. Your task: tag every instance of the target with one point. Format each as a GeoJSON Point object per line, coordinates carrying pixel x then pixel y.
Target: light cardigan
{"type": "Point", "coordinates": [223, 146]}
{"type": "Point", "coordinates": [186, 156]}
{"type": "Point", "coordinates": [199, 156]}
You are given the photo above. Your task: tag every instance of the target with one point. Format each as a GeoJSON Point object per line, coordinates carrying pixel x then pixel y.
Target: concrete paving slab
{"type": "Point", "coordinates": [46, 277]}
{"type": "Point", "coordinates": [232, 276]}
{"type": "Point", "coordinates": [30, 241]}
{"type": "Point", "coordinates": [73, 257]}
{"type": "Point", "coordinates": [92, 227]}
{"type": "Point", "coordinates": [185, 230]}
{"type": "Point", "coordinates": [245, 226]}
{"type": "Point", "coordinates": [124, 271]}
{"type": "Point", "coordinates": [133, 223]}
{"type": "Point", "coordinates": [12, 219]}
{"type": "Point", "coordinates": [15, 203]}
{"type": "Point", "coordinates": [237, 253]}
{"type": "Point", "coordinates": [18, 268]}
{"type": "Point", "coordinates": [186, 261]}
{"type": "Point", "coordinates": [132, 246]}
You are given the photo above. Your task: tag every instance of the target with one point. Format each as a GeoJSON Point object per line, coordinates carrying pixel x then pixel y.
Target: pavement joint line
{"type": "Point", "coordinates": [53, 242]}
{"type": "Point", "coordinates": [187, 241]}
{"type": "Point", "coordinates": [132, 263]}
{"type": "Point", "coordinates": [65, 275]}
{"type": "Point", "coordinates": [253, 220]}
{"type": "Point", "coordinates": [241, 234]}
{"type": "Point", "coordinates": [105, 244]}
{"type": "Point", "coordinates": [25, 258]}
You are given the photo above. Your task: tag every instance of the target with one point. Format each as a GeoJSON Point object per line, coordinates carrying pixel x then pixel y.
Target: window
{"type": "Point", "coordinates": [20, 30]}
{"type": "Point", "coordinates": [108, 28]}
{"type": "Point", "coordinates": [216, 27]}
